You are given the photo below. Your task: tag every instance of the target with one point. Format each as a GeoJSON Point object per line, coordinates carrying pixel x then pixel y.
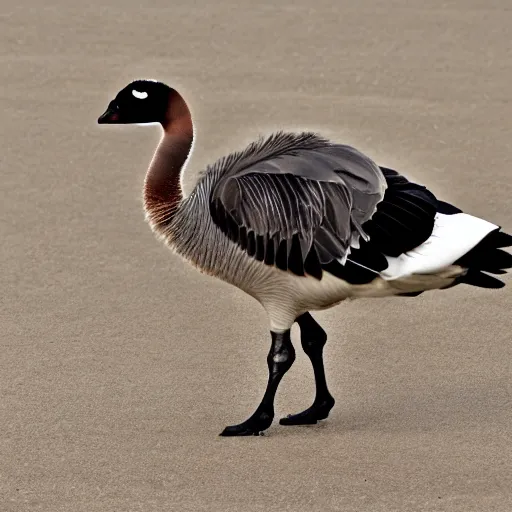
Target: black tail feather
{"type": "Point", "coordinates": [477, 278]}
{"type": "Point", "coordinates": [497, 272]}
{"type": "Point", "coordinates": [487, 258]}
{"type": "Point", "coordinates": [490, 260]}
{"type": "Point", "coordinates": [497, 260]}
{"type": "Point", "coordinates": [501, 239]}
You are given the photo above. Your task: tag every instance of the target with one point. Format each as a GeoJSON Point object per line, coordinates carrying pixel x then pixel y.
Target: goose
{"type": "Point", "coordinates": [301, 224]}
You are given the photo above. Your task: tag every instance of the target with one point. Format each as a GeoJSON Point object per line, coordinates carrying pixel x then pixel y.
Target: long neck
{"type": "Point", "coordinates": [162, 188]}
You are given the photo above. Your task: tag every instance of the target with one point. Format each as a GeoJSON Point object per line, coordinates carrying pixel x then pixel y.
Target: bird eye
{"type": "Point", "coordinates": [140, 95]}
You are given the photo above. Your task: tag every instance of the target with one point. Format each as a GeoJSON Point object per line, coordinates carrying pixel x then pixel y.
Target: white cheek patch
{"type": "Point", "coordinates": [140, 95]}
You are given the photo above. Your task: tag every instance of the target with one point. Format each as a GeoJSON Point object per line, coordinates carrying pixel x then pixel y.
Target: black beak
{"type": "Point", "coordinates": [110, 116]}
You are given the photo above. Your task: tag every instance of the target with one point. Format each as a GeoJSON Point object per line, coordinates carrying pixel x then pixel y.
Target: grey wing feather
{"type": "Point", "coordinates": [315, 193]}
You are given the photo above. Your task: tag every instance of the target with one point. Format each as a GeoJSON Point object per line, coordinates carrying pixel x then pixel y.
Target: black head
{"type": "Point", "coordinates": [142, 101]}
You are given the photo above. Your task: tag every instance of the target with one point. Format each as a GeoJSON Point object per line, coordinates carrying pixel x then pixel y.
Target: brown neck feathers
{"type": "Point", "coordinates": [162, 187]}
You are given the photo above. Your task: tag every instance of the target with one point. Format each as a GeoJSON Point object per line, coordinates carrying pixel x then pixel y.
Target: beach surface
{"type": "Point", "coordinates": [120, 364]}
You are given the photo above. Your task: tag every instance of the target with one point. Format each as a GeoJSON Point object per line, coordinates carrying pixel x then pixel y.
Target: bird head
{"type": "Point", "coordinates": [141, 101]}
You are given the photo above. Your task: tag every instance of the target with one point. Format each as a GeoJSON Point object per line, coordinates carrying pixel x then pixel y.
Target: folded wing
{"type": "Point", "coordinates": [301, 206]}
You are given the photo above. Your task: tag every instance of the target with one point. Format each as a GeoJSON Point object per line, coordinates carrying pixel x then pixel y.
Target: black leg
{"type": "Point", "coordinates": [279, 360]}
{"type": "Point", "coordinates": [313, 339]}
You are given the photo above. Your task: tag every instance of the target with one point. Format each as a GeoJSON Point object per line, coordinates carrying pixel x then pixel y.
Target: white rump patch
{"type": "Point", "coordinates": [452, 237]}
{"type": "Point", "coordinates": [140, 95]}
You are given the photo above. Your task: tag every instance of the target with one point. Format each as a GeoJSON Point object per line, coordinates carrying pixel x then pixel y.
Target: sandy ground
{"type": "Point", "coordinates": [119, 365]}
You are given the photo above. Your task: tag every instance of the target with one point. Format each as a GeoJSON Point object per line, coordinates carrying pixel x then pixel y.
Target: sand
{"type": "Point", "coordinates": [120, 365]}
